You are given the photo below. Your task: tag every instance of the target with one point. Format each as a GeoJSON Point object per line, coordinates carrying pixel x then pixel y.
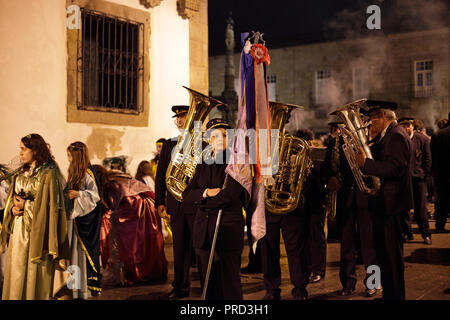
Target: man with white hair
{"type": "Point", "coordinates": [391, 164]}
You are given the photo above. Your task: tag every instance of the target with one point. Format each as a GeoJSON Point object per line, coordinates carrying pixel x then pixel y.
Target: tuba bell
{"type": "Point", "coordinates": [187, 153]}
{"type": "Point", "coordinates": [355, 135]}
{"type": "Point", "coordinates": [283, 195]}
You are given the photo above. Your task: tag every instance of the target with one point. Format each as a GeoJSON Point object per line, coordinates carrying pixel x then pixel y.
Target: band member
{"type": "Point", "coordinates": [85, 216]}
{"type": "Point", "coordinates": [211, 189]}
{"type": "Point", "coordinates": [392, 165]}
{"type": "Point", "coordinates": [181, 216]}
{"type": "Point", "coordinates": [316, 213]}
{"type": "Point", "coordinates": [35, 225]}
{"type": "Point", "coordinates": [330, 168]}
{"type": "Point", "coordinates": [440, 146]}
{"type": "Point", "coordinates": [420, 170]}
{"type": "Point", "coordinates": [295, 230]}
{"type": "Point", "coordinates": [352, 214]}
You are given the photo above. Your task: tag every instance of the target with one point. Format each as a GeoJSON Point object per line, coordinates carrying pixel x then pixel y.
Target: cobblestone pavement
{"type": "Point", "coordinates": [427, 276]}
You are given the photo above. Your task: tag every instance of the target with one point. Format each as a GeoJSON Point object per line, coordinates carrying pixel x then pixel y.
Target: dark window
{"type": "Point", "coordinates": [112, 63]}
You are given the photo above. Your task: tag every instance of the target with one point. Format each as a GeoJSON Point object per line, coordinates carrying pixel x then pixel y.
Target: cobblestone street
{"type": "Point", "coordinates": [427, 276]}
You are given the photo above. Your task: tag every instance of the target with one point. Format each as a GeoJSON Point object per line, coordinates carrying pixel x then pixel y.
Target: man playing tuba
{"type": "Point", "coordinates": [182, 217]}
{"type": "Point", "coordinates": [392, 165]}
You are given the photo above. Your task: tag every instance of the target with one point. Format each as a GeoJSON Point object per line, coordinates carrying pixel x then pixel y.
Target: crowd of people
{"type": "Point", "coordinates": [69, 239]}
{"type": "Point", "coordinates": [102, 227]}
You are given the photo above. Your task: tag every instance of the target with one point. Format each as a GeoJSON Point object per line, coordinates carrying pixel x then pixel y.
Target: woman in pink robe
{"type": "Point", "coordinates": [131, 240]}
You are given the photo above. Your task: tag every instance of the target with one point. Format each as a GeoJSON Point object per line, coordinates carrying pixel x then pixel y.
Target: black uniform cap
{"type": "Point", "coordinates": [405, 120]}
{"type": "Point", "coordinates": [378, 104]}
{"type": "Point", "coordinates": [217, 123]}
{"type": "Point", "coordinates": [179, 110]}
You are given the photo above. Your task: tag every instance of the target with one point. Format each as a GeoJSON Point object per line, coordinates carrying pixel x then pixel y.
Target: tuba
{"type": "Point", "coordinates": [187, 153]}
{"type": "Point", "coordinates": [283, 195]}
{"type": "Point", "coordinates": [355, 135]}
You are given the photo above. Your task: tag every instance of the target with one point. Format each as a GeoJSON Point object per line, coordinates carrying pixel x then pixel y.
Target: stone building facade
{"type": "Point", "coordinates": [43, 70]}
{"type": "Point", "coordinates": [410, 68]}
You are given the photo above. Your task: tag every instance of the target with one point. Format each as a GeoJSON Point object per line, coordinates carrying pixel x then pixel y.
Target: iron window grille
{"type": "Point", "coordinates": [110, 63]}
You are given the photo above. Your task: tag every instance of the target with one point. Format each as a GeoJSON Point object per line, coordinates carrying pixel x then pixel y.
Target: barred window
{"type": "Point", "coordinates": [110, 63]}
{"type": "Point", "coordinates": [423, 77]}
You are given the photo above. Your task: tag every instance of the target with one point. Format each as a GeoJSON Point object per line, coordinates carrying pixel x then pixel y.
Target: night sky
{"type": "Point", "coordinates": [293, 22]}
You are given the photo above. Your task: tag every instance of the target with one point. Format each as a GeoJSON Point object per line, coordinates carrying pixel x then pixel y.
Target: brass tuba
{"type": "Point", "coordinates": [283, 196]}
{"type": "Point", "coordinates": [355, 135]}
{"type": "Point", "coordinates": [187, 153]}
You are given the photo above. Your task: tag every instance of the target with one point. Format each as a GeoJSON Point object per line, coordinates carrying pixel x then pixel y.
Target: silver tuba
{"type": "Point", "coordinates": [355, 138]}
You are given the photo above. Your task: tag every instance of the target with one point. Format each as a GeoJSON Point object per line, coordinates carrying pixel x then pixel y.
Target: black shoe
{"type": "Point", "coordinates": [315, 278]}
{"type": "Point", "coordinates": [177, 294]}
{"type": "Point", "coordinates": [272, 295]}
{"type": "Point", "coordinates": [371, 292]}
{"type": "Point", "coordinates": [299, 293]}
{"type": "Point", "coordinates": [427, 240]}
{"type": "Point", "coordinates": [347, 292]}
{"type": "Point", "coordinates": [251, 269]}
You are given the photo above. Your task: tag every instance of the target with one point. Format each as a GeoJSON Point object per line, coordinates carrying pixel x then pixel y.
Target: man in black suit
{"type": "Point", "coordinates": [295, 230]}
{"type": "Point", "coordinates": [352, 213]}
{"type": "Point", "coordinates": [440, 152]}
{"type": "Point", "coordinates": [420, 170]}
{"type": "Point", "coordinates": [210, 190]}
{"type": "Point", "coordinates": [391, 164]}
{"type": "Point", "coordinates": [182, 216]}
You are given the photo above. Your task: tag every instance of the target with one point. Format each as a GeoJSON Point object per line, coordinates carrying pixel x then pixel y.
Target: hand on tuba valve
{"type": "Point", "coordinates": [355, 147]}
{"type": "Point", "coordinates": [360, 158]}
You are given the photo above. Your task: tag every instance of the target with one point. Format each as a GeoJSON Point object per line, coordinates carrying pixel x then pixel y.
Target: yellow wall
{"type": "Point", "coordinates": [33, 82]}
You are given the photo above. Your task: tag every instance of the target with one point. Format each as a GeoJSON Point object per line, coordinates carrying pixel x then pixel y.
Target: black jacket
{"type": "Point", "coordinates": [174, 207]}
{"type": "Point", "coordinates": [231, 200]}
{"type": "Point", "coordinates": [440, 153]}
{"type": "Point", "coordinates": [392, 166]}
{"type": "Point", "coordinates": [420, 156]}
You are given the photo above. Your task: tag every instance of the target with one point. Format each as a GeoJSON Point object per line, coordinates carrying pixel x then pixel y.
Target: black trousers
{"type": "Point", "coordinates": [182, 226]}
{"type": "Point", "coordinates": [442, 204]}
{"type": "Point", "coordinates": [351, 218]}
{"type": "Point", "coordinates": [389, 248]}
{"type": "Point", "coordinates": [294, 229]}
{"type": "Point", "coordinates": [420, 206]}
{"type": "Point", "coordinates": [224, 282]}
{"type": "Point", "coordinates": [317, 243]}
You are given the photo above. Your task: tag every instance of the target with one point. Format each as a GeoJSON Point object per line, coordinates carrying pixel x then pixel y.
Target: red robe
{"type": "Point", "coordinates": [139, 233]}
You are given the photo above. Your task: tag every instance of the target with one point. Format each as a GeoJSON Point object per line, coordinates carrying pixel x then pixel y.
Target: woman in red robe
{"type": "Point", "coordinates": [131, 240]}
